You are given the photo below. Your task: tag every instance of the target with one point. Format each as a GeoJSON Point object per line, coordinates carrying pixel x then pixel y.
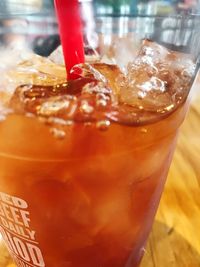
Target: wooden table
{"type": "Point", "coordinates": [175, 237]}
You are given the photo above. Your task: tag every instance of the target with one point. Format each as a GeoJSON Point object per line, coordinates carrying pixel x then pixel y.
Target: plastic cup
{"type": "Point", "coordinates": [83, 193]}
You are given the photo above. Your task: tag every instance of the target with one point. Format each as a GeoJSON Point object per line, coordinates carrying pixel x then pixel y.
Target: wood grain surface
{"type": "Point", "coordinates": [175, 237]}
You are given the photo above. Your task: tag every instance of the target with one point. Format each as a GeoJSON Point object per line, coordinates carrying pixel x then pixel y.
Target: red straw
{"type": "Point", "coordinates": [70, 28]}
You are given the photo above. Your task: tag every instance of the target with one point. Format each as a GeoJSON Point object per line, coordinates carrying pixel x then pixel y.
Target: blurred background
{"type": "Point", "coordinates": [31, 21]}
{"type": "Point", "coordinates": [153, 7]}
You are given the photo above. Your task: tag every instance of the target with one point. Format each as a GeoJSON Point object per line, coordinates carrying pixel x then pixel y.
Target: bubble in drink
{"type": "Point", "coordinates": [58, 133]}
{"type": "Point", "coordinates": [103, 125]}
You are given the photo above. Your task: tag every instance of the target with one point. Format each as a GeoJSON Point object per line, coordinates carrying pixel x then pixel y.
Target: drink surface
{"type": "Point", "coordinates": [83, 162]}
{"type": "Point", "coordinates": [154, 84]}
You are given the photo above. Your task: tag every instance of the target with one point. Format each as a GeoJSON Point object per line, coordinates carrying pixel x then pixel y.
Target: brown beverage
{"type": "Point", "coordinates": [83, 163]}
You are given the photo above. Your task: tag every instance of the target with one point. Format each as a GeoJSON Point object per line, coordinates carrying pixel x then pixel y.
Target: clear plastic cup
{"type": "Point", "coordinates": [83, 163]}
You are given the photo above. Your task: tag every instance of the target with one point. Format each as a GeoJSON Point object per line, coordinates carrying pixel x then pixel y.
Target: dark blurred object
{"type": "Point", "coordinates": [44, 46]}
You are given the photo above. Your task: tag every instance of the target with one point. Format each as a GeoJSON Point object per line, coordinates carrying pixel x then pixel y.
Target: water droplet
{"type": "Point", "coordinates": [103, 125]}
{"type": "Point", "coordinates": [169, 108]}
{"type": "Point", "coordinates": [86, 107]}
{"type": "Point", "coordinates": [141, 94]}
{"type": "Point", "coordinates": [143, 130]}
{"type": "Point", "coordinates": [57, 133]}
{"type": "Point", "coordinates": [59, 121]}
{"type": "Point", "coordinates": [101, 103]}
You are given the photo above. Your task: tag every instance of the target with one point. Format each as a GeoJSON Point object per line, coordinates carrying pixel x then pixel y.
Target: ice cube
{"type": "Point", "coordinates": [88, 71]}
{"type": "Point", "coordinates": [152, 52]}
{"type": "Point", "coordinates": [91, 55]}
{"type": "Point", "coordinates": [112, 206]}
{"type": "Point", "coordinates": [38, 71]}
{"type": "Point", "coordinates": [158, 80]}
{"type": "Point", "coordinates": [57, 56]}
{"type": "Point", "coordinates": [45, 101]}
{"type": "Point", "coordinates": [112, 73]}
{"type": "Point", "coordinates": [126, 49]}
{"type": "Point", "coordinates": [10, 58]}
{"type": "Point", "coordinates": [121, 50]}
{"type": "Point", "coordinates": [106, 74]}
{"type": "Point", "coordinates": [23, 67]}
{"type": "Point", "coordinates": [65, 203]}
{"type": "Point", "coordinates": [66, 194]}
{"type": "Point", "coordinates": [114, 220]}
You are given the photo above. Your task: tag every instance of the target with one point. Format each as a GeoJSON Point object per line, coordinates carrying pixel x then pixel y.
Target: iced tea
{"type": "Point", "coordinates": [83, 163]}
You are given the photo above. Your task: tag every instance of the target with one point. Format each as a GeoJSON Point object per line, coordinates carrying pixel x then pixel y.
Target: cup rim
{"type": "Point", "coordinates": [51, 13]}
{"type": "Point", "coordinates": [135, 15]}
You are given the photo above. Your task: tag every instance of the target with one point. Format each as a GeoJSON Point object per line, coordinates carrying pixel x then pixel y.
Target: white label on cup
{"type": "Point", "coordinates": [16, 231]}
